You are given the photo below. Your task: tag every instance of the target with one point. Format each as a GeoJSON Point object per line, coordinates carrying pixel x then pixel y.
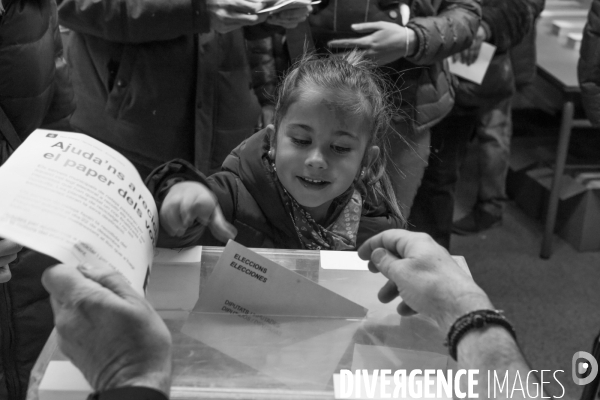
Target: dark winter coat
{"type": "Point", "coordinates": [148, 84]}
{"type": "Point", "coordinates": [34, 80]}
{"type": "Point", "coordinates": [34, 89]}
{"type": "Point", "coordinates": [589, 65]}
{"type": "Point", "coordinates": [507, 23]}
{"type": "Point", "coordinates": [250, 200]}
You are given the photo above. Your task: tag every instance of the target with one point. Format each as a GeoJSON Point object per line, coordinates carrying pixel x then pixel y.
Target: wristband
{"type": "Point", "coordinates": [129, 393]}
{"type": "Point", "coordinates": [475, 320]}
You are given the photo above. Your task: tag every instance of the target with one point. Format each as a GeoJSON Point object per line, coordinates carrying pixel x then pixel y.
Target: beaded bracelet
{"type": "Point", "coordinates": [475, 320]}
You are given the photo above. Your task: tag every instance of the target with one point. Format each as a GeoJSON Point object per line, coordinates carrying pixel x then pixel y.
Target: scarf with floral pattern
{"type": "Point", "coordinates": [339, 235]}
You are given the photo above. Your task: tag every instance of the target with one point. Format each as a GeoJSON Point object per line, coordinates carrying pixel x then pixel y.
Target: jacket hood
{"type": "Point", "coordinates": [248, 161]}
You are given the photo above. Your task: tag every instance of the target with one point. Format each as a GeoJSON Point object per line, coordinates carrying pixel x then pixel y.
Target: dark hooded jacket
{"type": "Point", "coordinates": [508, 24]}
{"type": "Point", "coordinates": [250, 200]}
{"type": "Point", "coordinates": [34, 89]}
{"type": "Point", "coordinates": [588, 69]}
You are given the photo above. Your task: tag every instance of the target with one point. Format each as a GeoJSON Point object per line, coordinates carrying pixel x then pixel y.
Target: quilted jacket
{"type": "Point", "coordinates": [510, 26]}
{"type": "Point", "coordinates": [34, 89]}
{"type": "Point", "coordinates": [589, 65]}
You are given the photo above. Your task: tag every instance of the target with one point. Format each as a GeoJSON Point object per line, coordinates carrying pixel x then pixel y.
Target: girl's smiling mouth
{"type": "Point", "coordinates": [312, 183]}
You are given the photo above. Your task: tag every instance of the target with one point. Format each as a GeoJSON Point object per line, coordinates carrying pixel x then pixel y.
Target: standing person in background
{"type": "Point", "coordinates": [159, 80]}
{"type": "Point", "coordinates": [486, 109]}
{"type": "Point", "coordinates": [409, 40]}
{"type": "Point", "coordinates": [34, 90]}
{"type": "Point", "coordinates": [588, 69]}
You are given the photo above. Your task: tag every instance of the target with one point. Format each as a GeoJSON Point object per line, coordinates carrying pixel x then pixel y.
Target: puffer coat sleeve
{"type": "Point", "coordinates": [589, 65]}
{"type": "Point", "coordinates": [450, 31]}
{"type": "Point", "coordinates": [134, 21]}
{"type": "Point", "coordinates": [510, 20]}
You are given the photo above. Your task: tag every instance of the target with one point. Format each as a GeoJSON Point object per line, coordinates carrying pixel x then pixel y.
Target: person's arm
{"type": "Point", "coordinates": [187, 204]}
{"type": "Point", "coordinates": [493, 349]}
{"type": "Point", "coordinates": [447, 33]}
{"type": "Point", "coordinates": [430, 282]}
{"type": "Point", "coordinates": [508, 21]}
{"type": "Point", "coordinates": [111, 333]}
{"type": "Point", "coordinates": [588, 69]}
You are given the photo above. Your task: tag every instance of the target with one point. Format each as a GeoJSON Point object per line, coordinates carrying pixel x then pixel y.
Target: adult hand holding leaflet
{"type": "Point", "coordinates": [77, 200]}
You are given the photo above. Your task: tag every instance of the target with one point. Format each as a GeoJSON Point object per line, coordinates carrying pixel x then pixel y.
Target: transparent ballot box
{"type": "Point", "coordinates": [223, 356]}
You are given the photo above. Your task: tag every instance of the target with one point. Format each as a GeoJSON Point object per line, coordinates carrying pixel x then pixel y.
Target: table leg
{"type": "Point", "coordinates": [561, 159]}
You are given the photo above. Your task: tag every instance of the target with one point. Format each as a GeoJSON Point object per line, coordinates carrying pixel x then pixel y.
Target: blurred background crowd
{"type": "Point", "coordinates": [191, 79]}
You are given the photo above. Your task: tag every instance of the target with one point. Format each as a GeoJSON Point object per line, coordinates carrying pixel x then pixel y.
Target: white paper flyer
{"type": "Point", "coordinates": [75, 199]}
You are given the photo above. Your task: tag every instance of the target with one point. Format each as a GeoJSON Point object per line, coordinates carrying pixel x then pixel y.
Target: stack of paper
{"type": "Point", "coordinates": [476, 71]}
{"type": "Point", "coordinates": [175, 280]}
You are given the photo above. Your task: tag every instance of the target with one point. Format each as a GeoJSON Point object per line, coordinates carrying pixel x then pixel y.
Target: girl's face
{"type": "Point", "coordinates": [320, 149]}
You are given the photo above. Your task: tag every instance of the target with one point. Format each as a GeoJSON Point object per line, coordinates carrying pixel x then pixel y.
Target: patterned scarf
{"type": "Point", "coordinates": [339, 235]}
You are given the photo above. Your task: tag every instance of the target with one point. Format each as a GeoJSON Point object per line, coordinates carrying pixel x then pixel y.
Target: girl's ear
{"type": "Point", "coordinates": [271, 133]}
{"type": "Point", "coordinates": [372, 155]}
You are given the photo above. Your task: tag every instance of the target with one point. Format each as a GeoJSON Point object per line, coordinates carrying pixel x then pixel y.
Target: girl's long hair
{"type": "Point", "coordinates": [359, 89]}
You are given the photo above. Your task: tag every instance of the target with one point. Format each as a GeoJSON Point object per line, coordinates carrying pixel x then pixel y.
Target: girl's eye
{"type": "Point", "coordinates": [341, 150]}
{"type": "Point", "coordinates": [300, 142]}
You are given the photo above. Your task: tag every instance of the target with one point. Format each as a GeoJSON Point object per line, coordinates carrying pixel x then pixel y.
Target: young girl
{"type": "Point", "coordinates": [315, 180]}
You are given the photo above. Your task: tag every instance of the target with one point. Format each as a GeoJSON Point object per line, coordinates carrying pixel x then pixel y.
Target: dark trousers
{"type": "Point", "coordinates": [433, 206]}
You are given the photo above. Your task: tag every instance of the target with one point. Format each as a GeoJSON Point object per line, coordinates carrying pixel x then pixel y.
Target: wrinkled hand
{"type": "Point", "coordinates": [386, 43]}
{"type": "Point", "coordinates": [107, 330]}
{"type": "Point", "coordinates": [188, 202]}
{"type": "Point", "coordinates": [267, 116]}
{"type": "Point", "coordinates": [229, 15]}
{"type": "Point", "coordinates": [469, 56]}
{"type": "Point", "coordinates": [290, 18]}
{"type": "Point", "coordinates": [424, 275]}
{"type": "Point", "coordinates": [8, 254]}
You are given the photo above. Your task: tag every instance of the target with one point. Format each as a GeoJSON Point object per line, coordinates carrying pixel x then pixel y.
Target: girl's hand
{"type": "Point", "coordinates": [386, 43]}
{"type": "Point", "coordinates": [8, 254]}
{"type": "Point", "coordinates": [188, 202]}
